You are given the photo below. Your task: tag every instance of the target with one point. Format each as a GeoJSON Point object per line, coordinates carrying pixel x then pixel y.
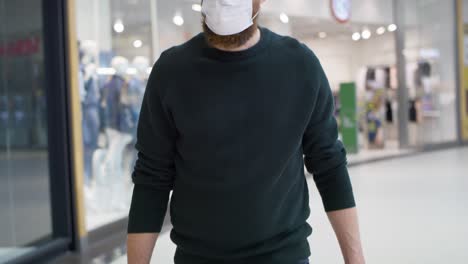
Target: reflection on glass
{"type": "Point", "coordinates": [25, 213]}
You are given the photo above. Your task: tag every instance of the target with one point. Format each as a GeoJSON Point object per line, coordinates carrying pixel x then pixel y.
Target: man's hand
{"type": "Point", "coordinates": [140, 247]}
{"type": "Point", "coordinates": [346, 226]}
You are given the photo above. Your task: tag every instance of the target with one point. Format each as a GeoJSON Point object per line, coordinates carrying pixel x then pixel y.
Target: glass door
{"type": "Point", "coordinates": [34, 192]}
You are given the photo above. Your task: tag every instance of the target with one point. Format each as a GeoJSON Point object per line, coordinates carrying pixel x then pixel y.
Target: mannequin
{"type": "Point", "coordinates": [137, 86]}
{"type": "Point", "coordinates": [134, 94]}
{"type": "Point", "coordinates": [90, 105]}
{"type": "Point", "coordinates": [110, 174]}
{"type": "Point", "coordinates": [112, 93]}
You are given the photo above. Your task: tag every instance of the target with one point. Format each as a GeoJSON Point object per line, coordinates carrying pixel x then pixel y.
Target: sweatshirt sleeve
{"type": "Point", "coordinates": [325, 155]}
{"type": "Point", "coordinates": [154, 171]}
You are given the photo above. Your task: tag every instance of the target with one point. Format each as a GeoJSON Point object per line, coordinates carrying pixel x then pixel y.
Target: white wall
{"type": "Point", "coordinates": [94, 22]}
{"type": "Point", "coordinates": [337, 58]}
{"type": "Point", "coordinates": [342, 59]}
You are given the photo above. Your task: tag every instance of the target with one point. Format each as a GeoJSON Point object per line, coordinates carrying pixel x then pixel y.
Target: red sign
{"type": "Point", "coordinates": [21, 47]}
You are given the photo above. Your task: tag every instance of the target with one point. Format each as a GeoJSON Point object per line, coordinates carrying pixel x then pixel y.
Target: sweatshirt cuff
{"type": "Point", "coordinates": [337, 191]}
{"type": "Point", "coordinates": [148, 209]}
{"type": "Point", "coordinates": [339, 201]}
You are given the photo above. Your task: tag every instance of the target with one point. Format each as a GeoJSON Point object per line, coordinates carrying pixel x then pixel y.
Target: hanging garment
{"type": "Point", "coordinates": [388, 111]}
{"type": "Point", "coordinates": [373, 126]}
{"type": "Point", "coordinates": [425, 68]}
{"type": "Point", "coordinates": [91, 124]}
{"type": "Point", "coordinates": [111, 99]}
{"type": "Point", "coordinates": [413, 112]}
{"type": "Point", "coordinates": [370, 75]}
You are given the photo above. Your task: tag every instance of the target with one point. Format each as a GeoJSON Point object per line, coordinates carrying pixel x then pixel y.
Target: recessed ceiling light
{"type": "Point", "coordinates": [356, 36]}
{"type": "Point", "coordinates": [119, 26]}
{"type": "Point", "coordinates": [137, 43]}
{"type": "Point", "coordinates": [322, 35]}
{"type": "Point", "coordinates": [284, 18]}
{"type": "Point", "coordinates": [392, 27]}
{"type": "Point", "coordinates": [380, 30]}
{"type": "Point", "coordinates": [196, 7]}
{"type": "Point", "coordinates": [366, 34]}
{"type": "Point", "coordinates": [178, 20]}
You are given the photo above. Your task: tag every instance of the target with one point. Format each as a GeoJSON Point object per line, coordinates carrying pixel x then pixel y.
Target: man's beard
{"type": "Point", "coordinates": [230, 41]}
{"type": "Point", "coordinates": [235, 40]}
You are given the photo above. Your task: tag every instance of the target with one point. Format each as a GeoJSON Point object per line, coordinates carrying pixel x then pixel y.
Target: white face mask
{"type": "Point", "coordinates": [228, 17]}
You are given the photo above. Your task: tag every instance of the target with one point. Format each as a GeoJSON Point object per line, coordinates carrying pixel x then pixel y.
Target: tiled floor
{"type": "Point", "coordinates": [412, 211]}
{"type": "Point", "coordinates": [368, 155]}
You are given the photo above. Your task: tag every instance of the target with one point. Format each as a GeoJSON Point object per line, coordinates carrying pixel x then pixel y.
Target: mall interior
{"type": "Point", "coordinates": [73, 74]}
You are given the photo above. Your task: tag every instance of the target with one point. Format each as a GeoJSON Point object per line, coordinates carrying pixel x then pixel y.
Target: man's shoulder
{"type": "Point", "coordinates": [179, 53]}
{"type": "Point", "coordinates": [174, 60]}
{"type": "Point", "coordinates": [286, 42]}
{"type": "Point", "coordinates": [292, 46]}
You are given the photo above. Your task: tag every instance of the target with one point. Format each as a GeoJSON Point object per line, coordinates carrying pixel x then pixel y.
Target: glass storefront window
{"type": "Point", "coordinates": [117, 49]}
{"type": "Point", "coordinates": [115, 52]}
{"type": "Point", "coordinates": [25, 205]}
{"type": "Point", "coordinates": [360, 51]}
{"type": "Point", "coordinates": [429, 51]}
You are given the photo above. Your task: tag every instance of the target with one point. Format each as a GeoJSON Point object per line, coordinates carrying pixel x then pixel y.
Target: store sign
{"type": "Point", "coordinates": [20, 47]}
{"type": "Point", "coordinates": [348, 117]}
{"type": "Point", "coordinates": [341, 10]}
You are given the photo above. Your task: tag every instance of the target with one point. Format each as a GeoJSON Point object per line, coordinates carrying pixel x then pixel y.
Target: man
{"type": "Point", "coordinates": [226, 121]}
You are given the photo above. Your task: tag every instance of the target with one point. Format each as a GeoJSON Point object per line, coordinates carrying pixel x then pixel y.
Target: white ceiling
{"type": "Point", "coordinates": [363, 11]}
{"type": "Point", "coordinates": [307, 17]}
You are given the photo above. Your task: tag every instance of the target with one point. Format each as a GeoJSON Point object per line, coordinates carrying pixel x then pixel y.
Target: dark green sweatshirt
{"type": "Point", "coordinates": [229, 133]}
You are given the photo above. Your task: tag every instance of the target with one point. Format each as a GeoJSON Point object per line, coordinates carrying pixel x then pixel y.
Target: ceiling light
{"type": "Point", "coordinates": [119, 26]}
{"type": "Point", "coordinates": [137, 43]}
{"type": "Point", "coordinates": [381, 30]}
{"type": "Point", "coordinates": [284, 18]}
{"type": "Point", "coordinates": [322, 35]}
{"type": "Point", "coordinates": [196, 7]}
{"type": "Point", "coordinates": [392, 27]}
{"type": "Point", "coordinates": [178, 20]}
{"type": "Point", "coordinates": [356, 36]}
{"type": "Point", "coordinates": [366, 34]}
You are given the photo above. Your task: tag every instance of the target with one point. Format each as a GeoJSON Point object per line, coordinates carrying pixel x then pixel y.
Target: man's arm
{"type": "Point", "coordinates": [346, 226]}
{"type": "Point", "coordinates": [140, 247]}
{"type": "Point", "coordinates": [154, 171]}
{"type": "Point", "coordinates": [325, 159]}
